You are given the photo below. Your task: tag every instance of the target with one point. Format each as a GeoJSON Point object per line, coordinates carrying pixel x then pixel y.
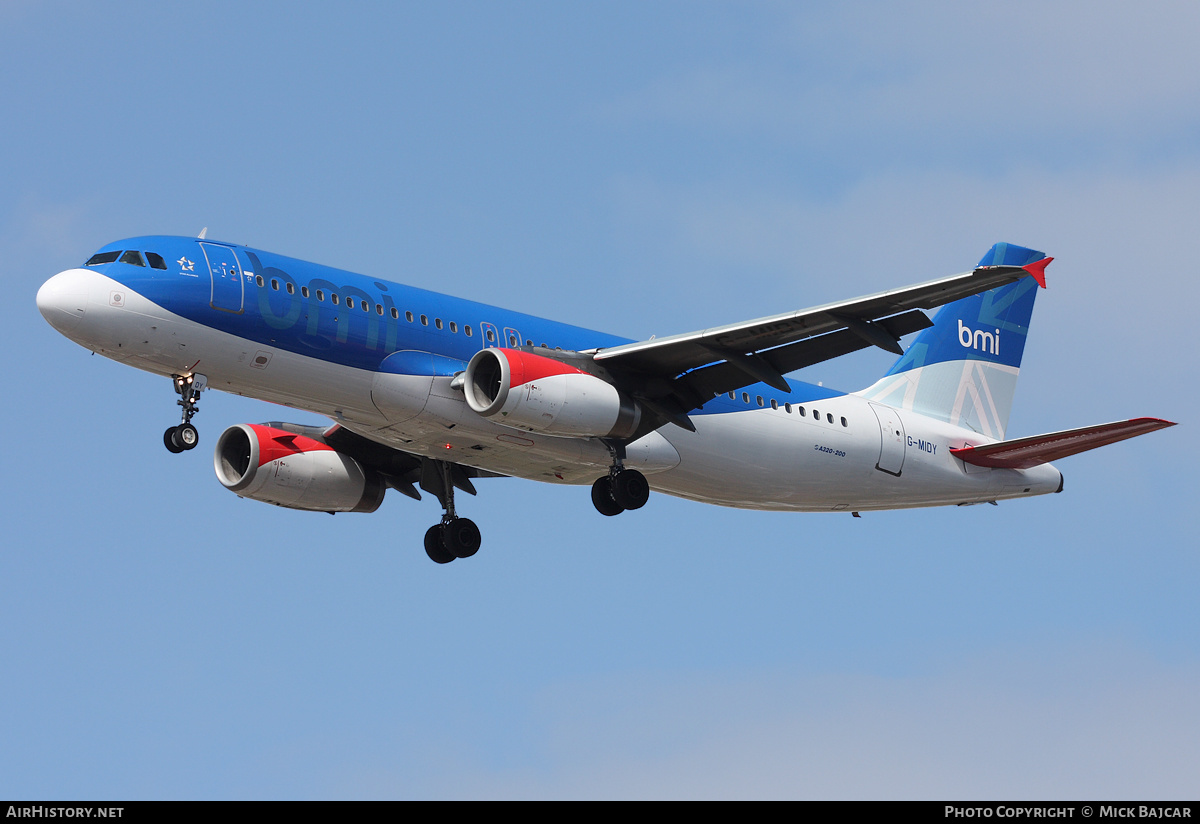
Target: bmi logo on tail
{"type": "Point", "coordinates": [978, 339]}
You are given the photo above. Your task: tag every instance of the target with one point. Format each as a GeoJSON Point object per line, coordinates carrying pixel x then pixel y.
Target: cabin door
{"type": "Point", "coordinates": [228, 285]}
{"type": "Point", "coordinates": [891, 433]}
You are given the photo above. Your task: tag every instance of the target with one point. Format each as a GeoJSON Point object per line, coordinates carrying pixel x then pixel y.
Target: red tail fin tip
{"type": "Point", "coordinates": [1038, 270]}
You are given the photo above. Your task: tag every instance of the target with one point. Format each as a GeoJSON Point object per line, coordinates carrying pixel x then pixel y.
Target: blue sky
{"type": "Point", "coordinates": [642, 169]}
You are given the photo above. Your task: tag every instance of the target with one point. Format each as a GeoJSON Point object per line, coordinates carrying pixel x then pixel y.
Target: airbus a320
{"type": "Point", "coordinates": [431, 392]}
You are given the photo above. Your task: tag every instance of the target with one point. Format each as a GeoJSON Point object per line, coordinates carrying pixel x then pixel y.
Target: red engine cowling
{"type": "Point", "coordinates": [294, 471]}
{"type": "Point", "coordinates": [540, 394]}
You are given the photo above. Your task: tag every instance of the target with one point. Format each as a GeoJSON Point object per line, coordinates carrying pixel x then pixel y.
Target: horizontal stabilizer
{"type": "Point", "coordinates": [1023, 453]}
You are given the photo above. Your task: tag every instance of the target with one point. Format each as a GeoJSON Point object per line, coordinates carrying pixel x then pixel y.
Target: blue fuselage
{"type": "Point", "coordinates": [350, 319]}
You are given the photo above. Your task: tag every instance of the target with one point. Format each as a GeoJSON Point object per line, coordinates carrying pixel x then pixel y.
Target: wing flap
{"type": "Point", "coordinates": [718, 378]}
{"type": "Point", "coordinates": [1024, 453]}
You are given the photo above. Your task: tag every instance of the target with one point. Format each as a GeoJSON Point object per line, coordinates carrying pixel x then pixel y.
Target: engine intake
{"type": "Point", "coordinates": [540, 394]}
{"type": "Point", "coordinates": [293, 471]}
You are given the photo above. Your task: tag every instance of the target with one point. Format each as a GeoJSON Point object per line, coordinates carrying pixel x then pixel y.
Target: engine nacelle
{"type": "Point", "coordinates": [540, 394]}
{"type": "Point", "coordinates": [294, 471]}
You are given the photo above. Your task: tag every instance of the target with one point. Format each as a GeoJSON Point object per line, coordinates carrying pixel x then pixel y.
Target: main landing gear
{"type": "Point", "coordinates": [184, 437]}
{"type": "Point", "coordinates": [454, 537]}
{"type": "Point", "coordinates": [621, 488]}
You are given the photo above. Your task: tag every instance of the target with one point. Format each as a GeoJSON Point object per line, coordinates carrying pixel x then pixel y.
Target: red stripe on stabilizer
{"type": "Point", "coordinates": [1024, 453]}
{"type": "Point", "coordinates": [528, 367]}
{"type": "Point", "coordinates": [1038, 270]}
{"type": "Point", "coordinates": [274, 444]}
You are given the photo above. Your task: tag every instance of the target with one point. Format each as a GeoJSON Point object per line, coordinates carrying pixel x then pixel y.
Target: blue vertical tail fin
{"type": "Point", "coordinates": [964, 368]}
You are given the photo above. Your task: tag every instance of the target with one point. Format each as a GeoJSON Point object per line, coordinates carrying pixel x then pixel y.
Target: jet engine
{"type": "Point", "coordinates": [539, 394]}
{"type": "Point", "coordinates": [293, 471]}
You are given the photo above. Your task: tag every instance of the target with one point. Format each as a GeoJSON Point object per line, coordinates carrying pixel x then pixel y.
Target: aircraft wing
{"type": "Point", "coordinates": [725, 358]}
{"type": "Point", "coordinates": [1024, 453]}
{"type": "Point", "coordinates": [401, 471]}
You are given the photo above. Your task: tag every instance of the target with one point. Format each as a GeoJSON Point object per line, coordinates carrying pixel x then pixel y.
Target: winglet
{"type": "Point", "coordinates": [1038, 270]}
{"type": "Point", "coordinates": [1010, 254]}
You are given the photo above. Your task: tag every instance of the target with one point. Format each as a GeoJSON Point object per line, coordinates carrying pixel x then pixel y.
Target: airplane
{"type": "Point", "coordinates": [431, 391]}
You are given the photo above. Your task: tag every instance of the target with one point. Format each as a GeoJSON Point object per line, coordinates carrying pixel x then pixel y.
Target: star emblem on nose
{"type": "Point", "coordinates": [186, 264]}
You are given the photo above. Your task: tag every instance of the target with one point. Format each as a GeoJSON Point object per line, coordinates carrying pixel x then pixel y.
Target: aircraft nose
{"type": "Point", "coordinates": [62, 300]}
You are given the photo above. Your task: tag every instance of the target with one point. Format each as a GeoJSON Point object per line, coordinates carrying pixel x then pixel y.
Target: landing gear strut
{"type": "Point", "coordinates": [454, 537]}
{"type": "Point", "coordinates": [621, 488]}
{"type": "Point", "coordinates": [183, 437]}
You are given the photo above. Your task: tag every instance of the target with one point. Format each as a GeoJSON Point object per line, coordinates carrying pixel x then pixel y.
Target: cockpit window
{"type": "Point", "coordinates": [156, 260]}
{"type": "Point", "coordinates": [102, 257]}
{"type": "Point", "coordinates": [134, 257]}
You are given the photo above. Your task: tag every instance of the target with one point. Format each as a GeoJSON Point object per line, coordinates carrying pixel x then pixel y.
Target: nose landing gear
{"type": "Point", "coordinates": [185, 436]}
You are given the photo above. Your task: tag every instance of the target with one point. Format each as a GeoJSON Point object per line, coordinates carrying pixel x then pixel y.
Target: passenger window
{"type": "Point", "coordinates": [379, 308]}
{"type": "Point", "coordinates": [366, 307]}
{"type": "Point", "coordinates": [816, 416]}
{"type": "Point", "coordinates": [349, 303]}
{"type": "Point", "coordinates": [304, 291]}
{"type": "Point", "coordinates": [133, 257]}
{"type": "Point", "coordinates": [156, 260]}
{"type": "Point", "coordinates": [843, 421]}
{"type": "Point", "coordinates": [274, 284]}
{"type": "Point", "coordinates": [259, 280]}
{"type": "Point", "coordinates": [291, 288]}
{"type": "Point", "coordinates": [424, 320]}
{"type": "Point", "coordinates": [395, 313]}
{"type": "Point", "coordinates": [760, 401]}
{"type": "Point", "coordinates": [333, 296]}
{"type": "Point", "coordinates": [321, 295]}
{"type": "Point", "coordinates": [801, 409]}
{"type": "Point", "coordinates": [774, 403]}
{"type": "Point", "coordinates": [437, 322]}
{"type": "Point", "coordinates": [732, 396]}
{"type": "Point", "coordinates": [408, 316]}
{"type": "Point", "coordinates": [829, 417]}
{"type": "Point", "coordinates": [491, 336]}
{"type": "Point", "coordinates": [467, 330]}
{"type": "Point", "coordinates": [787, 408]}
{"type": "Point", "coordinates": [453, 326]}
{"type": "Point", "coordinates": [102, 257]}
{"type": "Point", "coordinates": [745, 397]}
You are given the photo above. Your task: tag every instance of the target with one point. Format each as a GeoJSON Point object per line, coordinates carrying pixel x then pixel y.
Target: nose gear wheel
{"type": "Point", "coordinates": [185, 436]}
{"type": "Point", "coordinates": [181, 438]}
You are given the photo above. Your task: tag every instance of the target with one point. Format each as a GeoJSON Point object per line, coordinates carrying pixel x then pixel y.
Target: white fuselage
{"type": "Point", "coordinates": [858, 455]}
